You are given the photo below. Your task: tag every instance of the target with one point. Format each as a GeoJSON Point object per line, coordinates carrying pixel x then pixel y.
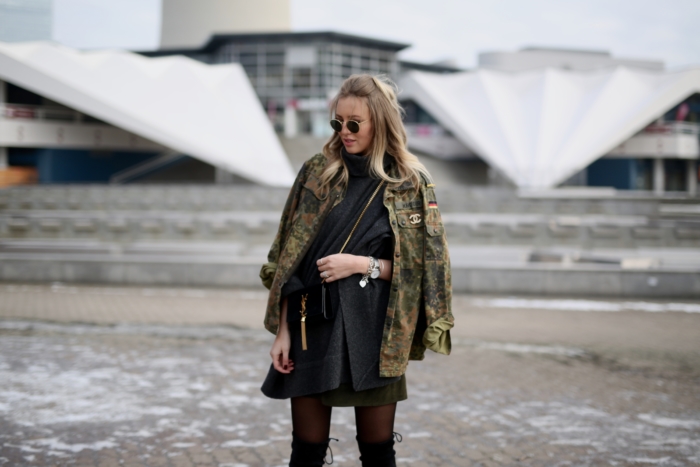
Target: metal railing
{"type": "Point", "coordinates": [672, 128]}
{"type": "Point", "coordinates": [425, 129]}
{"type": "Point", "coordinates": [145, 167]}
{"type": "Point", "coordinates": [40, 112]}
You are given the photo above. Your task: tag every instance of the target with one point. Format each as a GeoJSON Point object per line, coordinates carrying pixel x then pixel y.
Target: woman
{"type": "Point", "coordinates": [390, 289]}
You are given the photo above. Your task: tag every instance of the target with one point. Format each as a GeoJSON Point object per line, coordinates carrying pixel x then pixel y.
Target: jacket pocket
{"type": "Point", "coordinates": [309, 201]}
{"type": "Point", "coordinates": [411, 230]}
{"type": "Point", "coordinates": [434, 243]}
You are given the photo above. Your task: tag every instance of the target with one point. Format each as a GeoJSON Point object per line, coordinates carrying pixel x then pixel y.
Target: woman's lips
{"type": "Point", "coordinates": [348, 142]}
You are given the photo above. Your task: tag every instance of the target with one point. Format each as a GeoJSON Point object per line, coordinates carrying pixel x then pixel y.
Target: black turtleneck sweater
{"type": "Point", "coordinates": [345, 350]}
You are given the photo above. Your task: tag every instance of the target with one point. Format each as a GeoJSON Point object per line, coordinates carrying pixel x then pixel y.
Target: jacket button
{"type": "Point", "coordinates": [403, 222]}
{"type": "Point", "coordinates": [398, 254]}
{"type": "Point", "coordinates": [393, 222]}
{"type": "Point", "coordinates": [396, 289]}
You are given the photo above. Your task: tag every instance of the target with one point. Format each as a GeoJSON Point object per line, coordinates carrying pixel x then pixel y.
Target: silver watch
{"type": "Point", "coordinates": [375, 268]}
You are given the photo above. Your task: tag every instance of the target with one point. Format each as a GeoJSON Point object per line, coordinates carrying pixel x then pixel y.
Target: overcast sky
{"type": "Point", "coordinates": [437, 29]}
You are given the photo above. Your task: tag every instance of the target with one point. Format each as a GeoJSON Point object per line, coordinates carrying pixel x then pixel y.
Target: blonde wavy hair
{"type": "Point", "coordinates": [379, 92]}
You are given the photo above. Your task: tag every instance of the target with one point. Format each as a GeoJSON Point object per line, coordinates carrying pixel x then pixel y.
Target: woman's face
{"type": "Point", "coordinates": [355, 108]}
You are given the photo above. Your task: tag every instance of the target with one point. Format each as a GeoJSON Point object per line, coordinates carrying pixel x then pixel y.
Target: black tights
{"type": "Point", "coordinates": [311, 421]}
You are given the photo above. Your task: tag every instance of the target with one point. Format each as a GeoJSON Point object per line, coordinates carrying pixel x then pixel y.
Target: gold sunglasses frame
{"type": "Point", "coordinates": [346, 124]}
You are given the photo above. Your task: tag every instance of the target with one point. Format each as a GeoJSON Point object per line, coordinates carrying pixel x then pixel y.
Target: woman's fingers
{"type": "Point", "coordinates": [338, 266]}
{"type": "Point", "coordinates": [280, 354]}
{"type": "Point", "coordinates": [285, 359]}
{"type": "Point", "coordinates": [279, 365]}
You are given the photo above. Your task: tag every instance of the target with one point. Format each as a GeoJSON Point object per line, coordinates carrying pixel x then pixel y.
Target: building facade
{"type": "Point", "coordinates": [549, 117]}
{"type": "Point", "coordinates": [295, 74]}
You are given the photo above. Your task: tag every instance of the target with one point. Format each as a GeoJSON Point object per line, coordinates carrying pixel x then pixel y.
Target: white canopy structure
{"type": "Point", "coordinates": [209, 112]}
{"type": "Point", "coordinates": [540, 127]}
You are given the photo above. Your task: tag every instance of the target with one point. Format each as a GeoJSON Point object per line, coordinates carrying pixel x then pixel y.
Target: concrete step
{"type": "Point", "coordinates": [198, 198]}
{"type": "Point", "coordinates": [195, 198]}
{"type": "Point", "coordinates": [260, 227]}
{"type": "Point", "coordinates": [477, 269]}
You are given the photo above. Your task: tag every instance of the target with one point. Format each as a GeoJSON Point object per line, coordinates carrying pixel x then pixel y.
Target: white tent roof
{"type": "Point", "coordinates": [541, 127]}
{"type": "Point", "coordinates": [209, 112]}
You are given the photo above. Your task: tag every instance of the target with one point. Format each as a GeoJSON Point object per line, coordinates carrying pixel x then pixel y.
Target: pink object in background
{"type": "Point", "coordinates": [682, 112]}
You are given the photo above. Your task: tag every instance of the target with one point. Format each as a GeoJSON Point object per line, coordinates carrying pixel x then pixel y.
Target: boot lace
{"type": "Point", "coordinates": [329, 448]}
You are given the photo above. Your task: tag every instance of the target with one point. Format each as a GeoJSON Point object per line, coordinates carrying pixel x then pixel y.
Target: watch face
{"type": "Point", "coordinates": [375, 273]}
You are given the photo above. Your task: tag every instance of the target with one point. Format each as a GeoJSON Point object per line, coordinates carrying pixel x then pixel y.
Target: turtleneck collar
{"type": "Point", "coordinates": [358, 165]}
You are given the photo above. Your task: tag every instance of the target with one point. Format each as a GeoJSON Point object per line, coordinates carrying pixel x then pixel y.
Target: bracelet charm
{"type": "Point", "coordinates": [366, 276]}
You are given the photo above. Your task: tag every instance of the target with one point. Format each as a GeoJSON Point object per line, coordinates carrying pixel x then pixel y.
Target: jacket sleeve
{"type": "Point", "coordinates": [267, 272]}
{"type": "Point", "coordinates": [437, 278]}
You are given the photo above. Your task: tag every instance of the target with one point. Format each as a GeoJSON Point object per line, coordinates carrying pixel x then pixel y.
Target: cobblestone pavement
{"type": "Point", "coordinates": [174, 394]}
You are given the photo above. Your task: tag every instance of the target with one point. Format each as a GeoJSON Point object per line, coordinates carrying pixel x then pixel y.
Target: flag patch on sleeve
{"type": "Point", "coordinates": [432, 204]}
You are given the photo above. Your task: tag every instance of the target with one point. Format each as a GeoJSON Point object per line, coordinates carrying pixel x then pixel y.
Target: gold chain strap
{"type": "Point", "coordinates": [362, 214]}
{"type": "Point", "coordinates": [359, 219]}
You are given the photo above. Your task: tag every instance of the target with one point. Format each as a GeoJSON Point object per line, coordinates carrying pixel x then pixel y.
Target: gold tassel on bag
{"type": "Point", "coordinates": [303, 321]}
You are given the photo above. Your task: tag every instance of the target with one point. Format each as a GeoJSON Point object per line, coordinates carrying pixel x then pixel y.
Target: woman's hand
{"type": "Point", "coordinates": [342, 265]}
{"type": "Point", "coordinates": [280, 348]}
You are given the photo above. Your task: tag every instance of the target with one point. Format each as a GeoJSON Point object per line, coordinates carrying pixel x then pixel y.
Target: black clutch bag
{"type": "Point", "coordinates": [309, 305]}
{"type": "Point", "coordinates": [312, 303]}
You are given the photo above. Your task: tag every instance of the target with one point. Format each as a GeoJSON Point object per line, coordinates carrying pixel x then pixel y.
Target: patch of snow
{"type": "Point", "coordinates": [420, 434]}
{"type": "Point", "coordinates": [237, 443]}
{"type": "Point", "coordinates": [526, 348]}
{"type": "Point", "coordinates": [648, 460]}
{"type": "Point", "coordinates": [55, 444]}
{"type": "Point", "coordinates": [669, 422]}
{"type": "Point", "coordinates": [573, 442]}
{"type": "Point", "coordinates": [586, 305]}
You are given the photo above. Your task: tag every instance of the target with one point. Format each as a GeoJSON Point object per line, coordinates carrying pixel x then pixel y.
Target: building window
{"type": "Point", "coordinates": [247, 58]}
{"type": "Point", "coordinates": [301, 78]}
{"type": "Point", "coordinates": [366, 63]}
{"type": "Point", "coordinates": [275, 76]}
{"type": "Point", "coordinates": [275, 58]}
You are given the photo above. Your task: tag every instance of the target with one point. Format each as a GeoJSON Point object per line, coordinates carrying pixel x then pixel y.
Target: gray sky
{"type": "Point", "coordinates": [437, 29]}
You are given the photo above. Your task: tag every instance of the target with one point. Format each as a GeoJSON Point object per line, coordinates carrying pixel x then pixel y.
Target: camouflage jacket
{"type": "Point", "coordinates": [419, 313]}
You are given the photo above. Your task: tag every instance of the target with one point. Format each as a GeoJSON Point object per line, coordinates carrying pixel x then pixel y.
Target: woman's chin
{"type": "Point", "coordinates": [352, 149]}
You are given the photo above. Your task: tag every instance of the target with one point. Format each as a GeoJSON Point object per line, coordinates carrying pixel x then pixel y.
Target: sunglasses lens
{"type": "Point", "coordinates": [336, 125]}
{"type": "Point", "coordinates": [353, 126]}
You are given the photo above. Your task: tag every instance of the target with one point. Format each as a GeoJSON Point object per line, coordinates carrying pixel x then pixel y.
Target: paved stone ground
{"type": "Point", "coordinates": [568, 383]}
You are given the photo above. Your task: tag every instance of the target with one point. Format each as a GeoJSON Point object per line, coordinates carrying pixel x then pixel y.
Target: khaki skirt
{"type": "Point", "coordinates": [344, 396]}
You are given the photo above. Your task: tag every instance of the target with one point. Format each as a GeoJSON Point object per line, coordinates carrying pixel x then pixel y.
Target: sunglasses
{"type": "Point", "coordinates": [352, 125]}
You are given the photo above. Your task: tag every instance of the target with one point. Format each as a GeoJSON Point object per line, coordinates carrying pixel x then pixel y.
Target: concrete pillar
{"type": "Point", "coordinates": [3, 97]}
{"type": "Point", "coordinates": [290, 121]}
{"type": "Point", "coordinates": [659, 176]}
{"type": "Point", "coordinates": [692, 177]}
{"type": "Point", "coordinates": [4, 162]}
{"type": "Point", "coordinates": [320, 127]}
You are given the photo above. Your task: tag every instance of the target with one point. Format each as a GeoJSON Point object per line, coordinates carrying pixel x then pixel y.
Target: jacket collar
{"type": "Point", "coordinates": [394, 172]}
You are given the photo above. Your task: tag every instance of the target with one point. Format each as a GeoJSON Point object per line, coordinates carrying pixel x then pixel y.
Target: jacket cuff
{"type": "Point", "coordinates": [437, 336]}
{"type": "Point", "coordinates": [267, 274]}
